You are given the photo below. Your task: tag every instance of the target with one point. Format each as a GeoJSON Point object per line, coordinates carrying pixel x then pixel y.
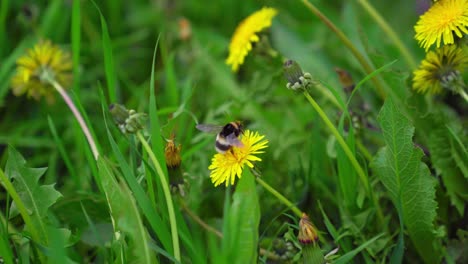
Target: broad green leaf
{"type": "Point", "coordinates": [244, 218]}
{"type": "Point", "coordinates": [125, 215]}
{"type": "Point", "coordinates": [411, 188]}
{"type": "Point", "coordinates": [36, 198]}
{"type": "Point", "coordinates": [445, 152]}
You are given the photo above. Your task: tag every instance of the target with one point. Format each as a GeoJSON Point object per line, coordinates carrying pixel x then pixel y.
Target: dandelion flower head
{"type": "Point", "coordinates": [226, 167]}
{"type": "Point", "coordinates": [438, 66]}
{"type": "Point", "coordinates": [35, 70]}
{"type": "Point", "coordinates": [444, 19]}
{"type": "Point", "coordinates": [246, 34]}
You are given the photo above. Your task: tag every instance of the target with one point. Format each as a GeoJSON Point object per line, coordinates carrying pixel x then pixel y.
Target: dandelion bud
{"type": "Point", "coordinates": [172, 154]}
{"type": "Point", "coordinates": [307, 232]}
{"type": "Point", "coordinates": [311, 252]}
{"type": "Point", "coordinates": [119, 113]}
{"type": "Point", "coordinates": [128, 121]}
{"type": "Point", "coordinates": [297, 79]}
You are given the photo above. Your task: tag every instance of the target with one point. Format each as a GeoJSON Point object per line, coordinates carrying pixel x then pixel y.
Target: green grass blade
{"type": "Point", "coordinates": [109, 66]}
{"type": "Point", "coordinates": [348, 257]}
{"type": "Point", "coordinates": [156, 136]}
{"type": "Point", "coordinates": [63, 153]}
{"type": "Point", "coordinates": [76, 44]}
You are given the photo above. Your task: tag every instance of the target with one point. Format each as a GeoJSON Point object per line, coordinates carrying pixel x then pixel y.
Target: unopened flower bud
{"type": "Point", "coordinates": [128, 121]}
{"type": "Point", "coordinates": [297, 79]}
{"type": "Point", "coordinates": [307, 232]}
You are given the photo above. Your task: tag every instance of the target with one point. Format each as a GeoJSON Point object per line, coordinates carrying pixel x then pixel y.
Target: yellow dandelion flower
{"type": "Point", "coordinates": [444, 19]}
{"type": "Point", "coordinates": [42, 63]}
{"type": "Point", "coordinates": [246, 34]}
{"type": "Point", "coordinates": [225, 167]}
{"type": "Point", "coordinates": [439, 68]}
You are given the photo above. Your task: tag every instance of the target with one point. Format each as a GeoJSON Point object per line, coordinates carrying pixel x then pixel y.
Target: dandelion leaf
{"type": "Point", "coordinates": [244, 217]}
{"type": "Point", "coordinates": [408, 181]}
{"type": "Point", "coordinates": [449, 157]}
{"type": "Point", "coordinates": [36, 198]}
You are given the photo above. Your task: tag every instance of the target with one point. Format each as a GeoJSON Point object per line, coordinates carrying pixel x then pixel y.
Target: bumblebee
{"type": "Point", "coordinates": [228, 135]}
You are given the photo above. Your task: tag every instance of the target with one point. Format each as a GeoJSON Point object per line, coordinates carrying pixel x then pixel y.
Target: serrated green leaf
{"type": "Point", "coordinates": [408, 180]}
{"type": "Point", "coordinates": [37, 198]}
{"type": "Point", "coordinates": [244, 218]}
{"type": "Point", "coordinates": [445, 152]}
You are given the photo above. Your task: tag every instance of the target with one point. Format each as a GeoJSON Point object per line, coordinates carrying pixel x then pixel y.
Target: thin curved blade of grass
{"type": "Point", "coordinates": [346, 258]}
{"type": "Point", "coordinates": [156, 136]}
{"type": "Point", "coordinates": [109, 67]}
{"type": "Point", "coordinates": [368, 77]}
{"type": "Point", "coordinates": [76, 44]}
{"type": "Point", "coordinates": [63, 153]}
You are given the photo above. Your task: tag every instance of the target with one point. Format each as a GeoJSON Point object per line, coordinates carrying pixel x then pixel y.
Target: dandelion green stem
{"type": "Point", "coordinates": [349, 154]}
{"type": "Point", "coordinates": [280, 197]}
{"type": "Point", "coordinates": [78, 117]}
{"type": "Point", "coordinates": [367, 67]}
{"type": "Point", "coordinates": [389, 33]}
{"type": "Point", "coordinates": [167, 195]}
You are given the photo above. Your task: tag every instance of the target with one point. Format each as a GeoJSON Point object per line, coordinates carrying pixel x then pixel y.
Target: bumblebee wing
{"type": "Point", "coordinates": [209, 128]}
{"type": "Point", "coordinates": [233, 140]}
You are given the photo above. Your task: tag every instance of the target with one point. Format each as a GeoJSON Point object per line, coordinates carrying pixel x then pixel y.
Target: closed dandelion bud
{"type": "Point", "coordinates": [119, 113]}
{"type": "Point", "coordinates": [172, 154]}
{"type": "Point", "coordinates": [297, 79]}
{"type": "Point", "coordinates": [173, 160]}
{"type": "Point", "coordinates": [307, 232]}
{"type": "Point", "coordinates": [311, 252]}
{"type": "Point", "coordinates": [128, 121]}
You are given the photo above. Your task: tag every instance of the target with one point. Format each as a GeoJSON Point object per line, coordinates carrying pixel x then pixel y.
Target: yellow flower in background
{"type": "Point", "coordinates": [225, 167]}
{"type": "Point", "coordinates": [246, 34]}
{"type": "Point", "coordinates": [444, 19]}
{"type": "Point", "coordinates": [42, 63]}
{"type": "Point", "coordinates": [440, 68]}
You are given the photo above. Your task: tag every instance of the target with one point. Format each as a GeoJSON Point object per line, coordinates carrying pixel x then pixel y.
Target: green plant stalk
{"type": "Point", "coordinates": [367, 67]}
{"type": "Point", "coordinates": [279, 196]}
{"type": "Point", "coordinates": [167, 195]}
{"type": "Point", "coordinates": [349, 154]}
{"type": "Point", "coordinates": [21, 208]}
{"type": "Point", "coordinates": [464, 95]}
{"type": "Point", "coordinates": [390, 33]}
{"type": "Point", "coordinates": [77, 115]}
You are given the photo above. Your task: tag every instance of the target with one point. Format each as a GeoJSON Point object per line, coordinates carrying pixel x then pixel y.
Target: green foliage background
{"type": "Point", "coordinates": [413, 150]}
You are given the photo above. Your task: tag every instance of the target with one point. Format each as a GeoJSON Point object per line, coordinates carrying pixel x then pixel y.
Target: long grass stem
{"type": "Point", "coordinates": [167, 195]}
{"type": "Point", "coordinates": [362, 175]}
{"type": "Point", "coordinates": [362, 60]}
{"type": "Point", "coordinates": [389, 32]}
